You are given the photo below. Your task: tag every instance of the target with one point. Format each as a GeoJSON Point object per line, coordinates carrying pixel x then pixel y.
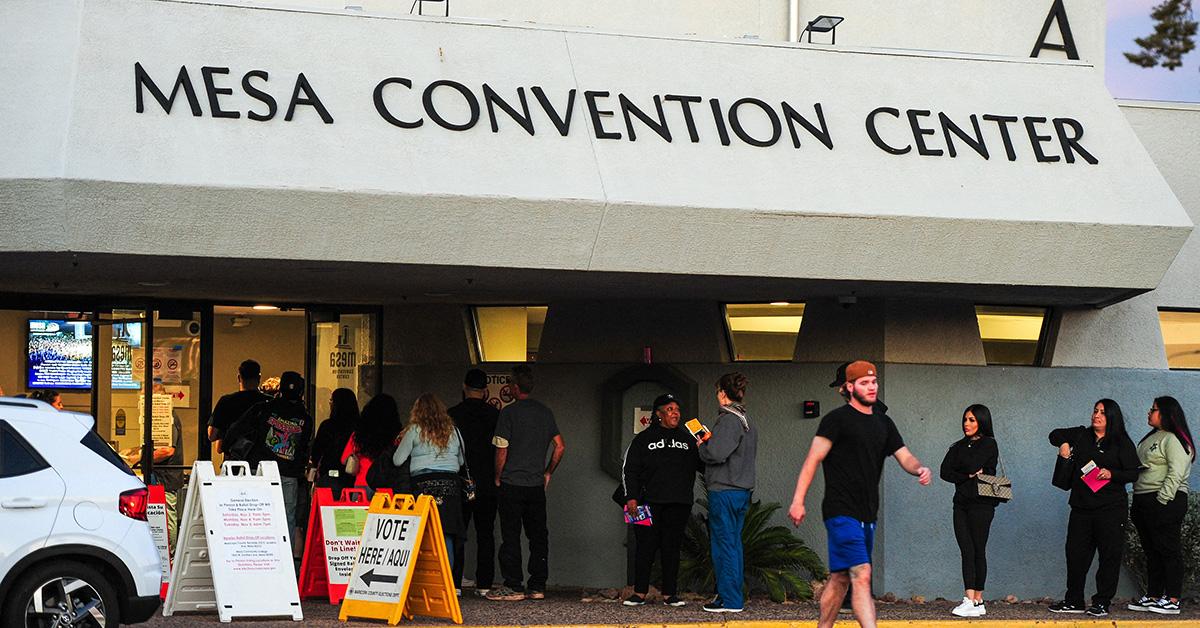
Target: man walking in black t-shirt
{"type": "Point", "coordinates": [231, 407]}
{"type": "Point", "coordinates": [524, 433]}
{"type": "Point", "coordinates": [476, 420]}
{"type": "Point", "coordinates": [851, 445]}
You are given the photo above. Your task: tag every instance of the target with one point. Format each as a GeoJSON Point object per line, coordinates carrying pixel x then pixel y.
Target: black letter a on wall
{"type": "Point", "coordinates": [1057, 12]}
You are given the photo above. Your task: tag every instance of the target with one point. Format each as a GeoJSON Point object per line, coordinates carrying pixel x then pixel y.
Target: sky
{"type": "Point", "coordinates": [1128, 19]}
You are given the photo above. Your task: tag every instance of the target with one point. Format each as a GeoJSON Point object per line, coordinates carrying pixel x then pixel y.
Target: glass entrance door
{"type": "Point", "coordinates": [343, 353]}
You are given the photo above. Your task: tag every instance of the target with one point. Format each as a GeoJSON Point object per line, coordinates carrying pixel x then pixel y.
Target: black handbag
{"type": "Point", "coordinates": [1064, 472]}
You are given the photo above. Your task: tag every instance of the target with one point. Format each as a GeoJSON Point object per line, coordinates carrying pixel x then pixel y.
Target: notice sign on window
{"type": "Point", "coordinates": [163, 424]}
{"type": "Point", "coordinates": [389, 545]}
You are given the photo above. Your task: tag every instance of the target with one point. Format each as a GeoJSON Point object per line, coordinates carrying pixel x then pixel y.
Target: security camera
{"type": "Point", "coordinates": [193, 328]}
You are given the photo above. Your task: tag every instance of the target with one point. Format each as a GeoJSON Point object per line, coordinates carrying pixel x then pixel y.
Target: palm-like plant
{"type": "Point", "coordinates": [776, 561]}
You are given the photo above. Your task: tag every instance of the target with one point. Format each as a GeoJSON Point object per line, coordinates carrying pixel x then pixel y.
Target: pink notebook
{"type": "Point", "coordinates": [1091, 477]}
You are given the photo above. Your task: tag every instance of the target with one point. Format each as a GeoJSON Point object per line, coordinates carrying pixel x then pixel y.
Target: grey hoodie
{"type": "Point", "coordinates": [729, 453]}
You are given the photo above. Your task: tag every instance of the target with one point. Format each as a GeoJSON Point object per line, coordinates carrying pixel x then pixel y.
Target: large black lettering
{"type": "Point", "coordinates": [736, 123]}
{"type": "Point", "coordinates": [493, 100]}
{"type": "Point", "coordinates": [563, 122]}
{"type": "Point", "coordinates": [381, 106]}
{"type": "Point", "coordinates": [213, 91]}
{"type": "Point", "coordinates": [719, 121]}
{"type": "Point", "coordinates": [260, 96]}
{"type": "Point", "coordinates": [685, 103]}
{"type": "Point", "coordinates": [142, 79]}
{"type": "Point", "coordinates": [1037, 140]}
{"type": "Point", "coordinates": [658, 126]}
{"type": "Point", "coordinates": [1070, 143]}
{"type": "Point", "coordinates": [919, 132]}
{"type": "Point", "coordinates": [975, 142]}
{"type": "Point", "coordinates": [309, 98]}
{"type": "Point", "coordinates": [595, 112]}
{"type": "Point", "coordinates": [874, 134]}
{"type": "Point", "coordinates": [1058, 13]}
{"type": "Point", "coordinates": [793, 117]}
{"type": "Point", "coordinates": [1002, 123]}
{"type": "Point", "coordinates": [431, 111]}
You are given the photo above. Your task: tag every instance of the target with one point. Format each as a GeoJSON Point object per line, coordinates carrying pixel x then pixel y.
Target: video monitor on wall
{"type": "Point", "coordinates": [60, 354]}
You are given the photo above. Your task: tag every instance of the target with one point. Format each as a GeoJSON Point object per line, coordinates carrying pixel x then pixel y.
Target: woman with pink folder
{"type": "Point", "coordinates": [1103, 460]}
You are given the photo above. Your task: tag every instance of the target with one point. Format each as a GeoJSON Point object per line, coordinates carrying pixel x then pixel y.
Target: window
{"type": "Point", "coordinates": [17, 457]}
{"type": "Point", "coordinates": [509, 333]}
{"type": "Point", "coordinates": [763, 331]}
{"type": "Point", "coordinates": [1181, 338]}
{"type": "Point", "coordinates": [1011, 335]}
{"type": "Point", "coordinates": [92, 441]}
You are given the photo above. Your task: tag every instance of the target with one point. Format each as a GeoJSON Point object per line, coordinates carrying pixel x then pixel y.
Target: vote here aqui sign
{"type": "Point", "coordinates": [385, 558]}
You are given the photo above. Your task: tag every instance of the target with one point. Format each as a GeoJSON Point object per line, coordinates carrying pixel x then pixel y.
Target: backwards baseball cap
{"type": "Point", "coordinates": [291, 385]}
{"type": "Point", "coordinates": [476, 379]}
{"type": "Point", "coordinates": [859, 369]}
{"type": "Point", "coordinates": [664, 399]}
{"type": "Point", "coordinates": [840, 377]}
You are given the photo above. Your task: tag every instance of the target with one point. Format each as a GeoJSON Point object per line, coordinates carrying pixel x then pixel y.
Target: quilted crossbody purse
{"type": "Point", "coordinates": [995, 486]}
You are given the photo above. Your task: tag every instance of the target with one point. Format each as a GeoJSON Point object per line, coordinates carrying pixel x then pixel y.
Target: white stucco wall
{"type": "Point", "coordinates": [574, 202]}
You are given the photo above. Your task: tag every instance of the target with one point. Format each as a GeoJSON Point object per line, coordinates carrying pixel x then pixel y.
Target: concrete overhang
{"type": "Point", "coordinates": [784, 162]}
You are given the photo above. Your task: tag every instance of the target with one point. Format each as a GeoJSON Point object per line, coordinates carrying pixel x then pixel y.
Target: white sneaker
{"type": "Point", "coordinates": [965, 609]}
{"type": "Point", "coordinates": [980, 610]}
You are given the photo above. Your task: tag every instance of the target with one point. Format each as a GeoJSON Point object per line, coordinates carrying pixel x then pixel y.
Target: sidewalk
{"type": "Point", "coordinates": [564, 608]}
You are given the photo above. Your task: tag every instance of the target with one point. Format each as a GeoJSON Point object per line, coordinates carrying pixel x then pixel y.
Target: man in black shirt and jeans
{"type": "Point", "coordinates": [476, 420]}
{"type": "Point", "coordinates": [851, 444]}
{"type": "Point", "coordinates": [524, 432]}
{"type": "Point", "coordinates": [231, 407]}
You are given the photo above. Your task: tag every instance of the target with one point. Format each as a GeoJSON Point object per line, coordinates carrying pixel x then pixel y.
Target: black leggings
{"type": "Point", "coordinates": [971, 527]}
{"type": "Point", "coordinates": [1158, 528]}
{"type": "Point", "coordinates": [1091, 532]}
{"type": "Point", "coordinates": [666, 535]}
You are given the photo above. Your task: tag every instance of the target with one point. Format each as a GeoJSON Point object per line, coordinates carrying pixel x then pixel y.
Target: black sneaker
{"type": "Point", "coordinates": [1142, 604]}
{"type": "Point", "coordinates": [1065, 607]}
{"type": "Point", "coordinates": [1164, 607]}
{"type": "Point", "coordinates": [634, 600]}
{"type": "Point", "coordinates": [1098, 610]}
{"type": "Point", "coordinates": [674, 600]}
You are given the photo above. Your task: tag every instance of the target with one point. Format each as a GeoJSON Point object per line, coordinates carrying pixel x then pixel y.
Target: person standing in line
{"type": "Point", "coordinates": [658, 472]}
{"type": "Point", "coordinates": [231, 407]}
{"type": "Point", "coordinates": [437, 453]}
{"type": "Point", "coordinates": [330, 441]}
{"type": "Point", "coordinates": [975, 453]}
{"type": "Point", "coordinates": [525, 430]}
{"type": "Point", "coordinates": [729, 457]}
{"type": "Point", "coordinates": [1160, 501]}
{"type": "Point", "coordinates": [50, 396]}
{"type": "Point", "coordinates": [378, 428]}
{"type": "Point", "coordinates": [476, 420]}
{"type": "Point", "coordinates": [851, 445]}
{"type": "Point", "coordinates": [1097, 523]}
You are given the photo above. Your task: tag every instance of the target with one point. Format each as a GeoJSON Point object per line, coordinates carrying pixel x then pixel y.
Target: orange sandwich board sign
{"type": "Point", "coordinates": [334, 530]}
{"type": "Point", "coordinates": [402, 568]}
{"type": "Point", "coordinates": [156, 516]}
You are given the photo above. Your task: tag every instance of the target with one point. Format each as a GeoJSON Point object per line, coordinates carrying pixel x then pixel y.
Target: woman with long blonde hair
{"type": "Point", "coordinates": [435, 448]}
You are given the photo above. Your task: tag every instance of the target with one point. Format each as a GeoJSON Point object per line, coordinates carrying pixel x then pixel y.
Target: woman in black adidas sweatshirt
{"type": "Point", "coordinates": [659, 471]}
{"type": "Point", "coordinates": [976, 452]}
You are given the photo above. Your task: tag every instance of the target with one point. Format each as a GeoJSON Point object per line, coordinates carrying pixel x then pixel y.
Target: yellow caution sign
{"type": "Point", "coordinates": [402, 568]}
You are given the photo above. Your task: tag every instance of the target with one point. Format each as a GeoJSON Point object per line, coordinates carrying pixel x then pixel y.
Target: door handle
{"type": "Point", "coordinates": [23, 502]}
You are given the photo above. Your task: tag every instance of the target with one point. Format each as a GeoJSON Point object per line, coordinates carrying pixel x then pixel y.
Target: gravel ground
{"type": "Point", "coordinates": [565, 607]}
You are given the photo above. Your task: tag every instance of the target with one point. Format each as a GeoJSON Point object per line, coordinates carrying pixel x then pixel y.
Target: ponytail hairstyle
{"type": "Point", "coordinates": [1170, 413]}
{"type": "Point", "coordinates": [734, 386]}
{"type": "Point", "coordinates": [983, 417]}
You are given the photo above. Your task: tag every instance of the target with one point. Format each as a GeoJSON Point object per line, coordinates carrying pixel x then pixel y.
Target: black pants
{"type": "Point", "coordinates": [482, 510]}
{"type": "Point", "coordinates": [1158, 527]}
{"type": "Point", "coordinates": [971, 527]}
{"type": "Point", "coordinates": [664, 537]}
{"type": "Point", "coordinates": [523, 506]}
{"type": "Point", "coordinates": [1089, 532]}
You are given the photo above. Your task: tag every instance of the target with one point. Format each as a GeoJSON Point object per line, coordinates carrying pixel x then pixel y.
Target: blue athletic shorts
{"type": "Point", "coordinates": [850, 542]}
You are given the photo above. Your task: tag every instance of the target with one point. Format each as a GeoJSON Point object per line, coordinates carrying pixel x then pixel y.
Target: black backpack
{"type": "Point", "coordinates": [385, 474]}
{"type": "Point", "coordinates": [246, 438]}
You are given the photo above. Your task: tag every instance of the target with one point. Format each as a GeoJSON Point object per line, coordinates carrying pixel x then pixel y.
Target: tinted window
{"type": "Point", "coordinates": [17, 456]}
{"type": "Point", "coordinates": [92, 441]}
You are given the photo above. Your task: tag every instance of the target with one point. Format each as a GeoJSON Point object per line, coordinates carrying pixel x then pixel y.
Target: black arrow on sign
{"type": "Point", "coordinates": [370, 577]}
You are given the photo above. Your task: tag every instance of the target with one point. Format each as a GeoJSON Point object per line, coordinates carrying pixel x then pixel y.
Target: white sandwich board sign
{"type": "Point", "coordinates": [234, 549]}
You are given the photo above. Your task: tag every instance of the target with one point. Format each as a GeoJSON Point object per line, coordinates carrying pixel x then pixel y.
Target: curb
{"type": "Point", "coordinates": [907, 623]}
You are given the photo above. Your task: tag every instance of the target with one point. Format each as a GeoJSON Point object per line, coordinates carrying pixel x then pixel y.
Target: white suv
{"type": "Point", "coordinates": [76, 549]}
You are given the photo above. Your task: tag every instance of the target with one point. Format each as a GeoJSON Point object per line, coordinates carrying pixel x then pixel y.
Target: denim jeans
{"type": "Point", "coordinates": [291, 492]}
{"type": "Point", "coordinates": [726, 516]}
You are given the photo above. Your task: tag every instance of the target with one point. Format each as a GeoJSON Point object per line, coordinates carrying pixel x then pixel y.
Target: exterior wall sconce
{"type": "Point", "coordinates": [823, 24]}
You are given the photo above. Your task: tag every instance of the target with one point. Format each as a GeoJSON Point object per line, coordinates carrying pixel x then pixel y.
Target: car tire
{"type": "Point", "coordinates": [93, 599]}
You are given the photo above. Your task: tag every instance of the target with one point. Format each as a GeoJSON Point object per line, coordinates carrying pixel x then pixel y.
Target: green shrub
{"type": "Point", "coordinates": [1135, 558]}
{"type": "Point", "coordinates": [776, 561]}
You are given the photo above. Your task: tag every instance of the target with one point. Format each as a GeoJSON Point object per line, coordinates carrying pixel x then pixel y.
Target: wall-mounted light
{"type": "Point", "coordinates": [823, 24]}
{"type": "Point", "coordinates": [265, 308]}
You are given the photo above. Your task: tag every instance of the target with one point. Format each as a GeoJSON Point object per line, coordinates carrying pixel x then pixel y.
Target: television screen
{"type": "Point", "coordinates": [60, 354]}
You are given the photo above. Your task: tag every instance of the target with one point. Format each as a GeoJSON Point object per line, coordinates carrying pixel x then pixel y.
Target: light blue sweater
{"type": "Point", "coordinates": [426, 457]}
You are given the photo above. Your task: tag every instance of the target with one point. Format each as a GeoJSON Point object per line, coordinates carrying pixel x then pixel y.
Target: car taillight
{"type": "Point", "coordinates": [133, 503]}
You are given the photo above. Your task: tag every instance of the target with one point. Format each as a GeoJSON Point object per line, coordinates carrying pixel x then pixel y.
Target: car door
{"type": "Point", "coordinates": [30, 494]}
